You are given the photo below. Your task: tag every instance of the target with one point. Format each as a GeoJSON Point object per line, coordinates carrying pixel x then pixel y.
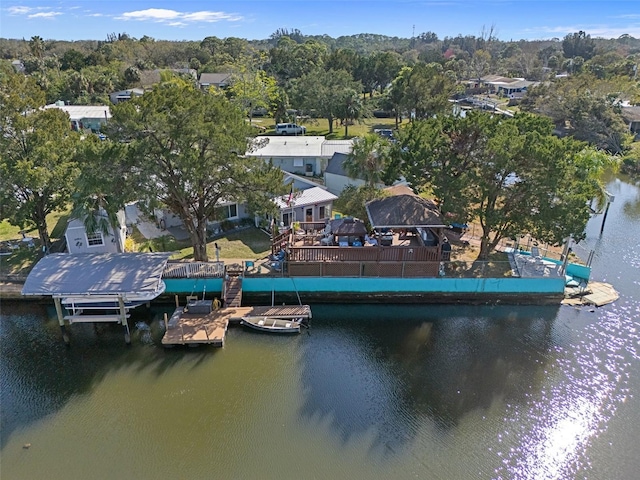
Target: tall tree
{"type": "Point", "coordinates": [511, 175]}
{"type": "Point", "coordinates": [103, 187]}
{"type": "Point", "coordinates": [322, 91]}
{"type": "Point", "coordinates": [578, 44]}
{"type": "Point", "coordinates": [37, 170]}
{"type": "Point", "coordinates": [189, 149]}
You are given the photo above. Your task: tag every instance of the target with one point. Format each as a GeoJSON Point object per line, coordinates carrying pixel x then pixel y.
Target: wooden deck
{"type": "Point", "coordinates": [210, 329]}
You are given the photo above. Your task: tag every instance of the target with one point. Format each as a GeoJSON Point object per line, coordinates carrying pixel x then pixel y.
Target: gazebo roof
{"type": "Point", "coordinates": [405, 210]}
{"type": "Point", "coordinates": [348, 226]}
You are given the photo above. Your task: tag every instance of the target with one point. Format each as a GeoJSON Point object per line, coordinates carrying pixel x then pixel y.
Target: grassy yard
{"type": "Point", "coordinates": [22, 260]}
{"type": "Point", "coordinates": [247, 244]}
{"type": "Point", "coordinates": [320, 127]}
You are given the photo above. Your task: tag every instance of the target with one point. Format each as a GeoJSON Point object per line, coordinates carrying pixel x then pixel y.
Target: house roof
{"type": "Point", "coordinates": [284, 146]}
{"type": "Point", "coordinates": [79, 112]}
{"type": "Point", "coordinates": [214, 78]}
{"type": "Point", "coordinates": [330, 147]}
{"type": "Point", "coordinates": [631, 114]}
{"type": "Point", "coordinates": [96, 274]}
{"type": "Point", "coordinates": [404, 210]}
{"type": "Point", "coordinates": [348, 226]}
{"type": "Point", "coordinates": [335, 165]}
{"type": "Point", "coordinates": [302, 198]}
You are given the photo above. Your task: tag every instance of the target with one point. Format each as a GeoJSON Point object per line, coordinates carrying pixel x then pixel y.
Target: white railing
{"type": "Point", "coordinates": [193, 270]}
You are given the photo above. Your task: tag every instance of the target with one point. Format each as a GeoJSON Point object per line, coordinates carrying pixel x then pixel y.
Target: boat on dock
{"type": "Point", "coordinates": [273, 325]}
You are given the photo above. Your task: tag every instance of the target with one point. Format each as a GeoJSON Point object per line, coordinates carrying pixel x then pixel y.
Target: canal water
{"type": "Point", "coordinates": [369, 392]}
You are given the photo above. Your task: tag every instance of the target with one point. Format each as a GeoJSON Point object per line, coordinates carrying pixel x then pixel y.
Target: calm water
{"type": "Point", "coordinates": [429, 392]}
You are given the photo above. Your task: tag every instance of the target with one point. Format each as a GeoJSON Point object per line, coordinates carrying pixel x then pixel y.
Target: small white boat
{"type": "Point", "coordinates": [273, 325]}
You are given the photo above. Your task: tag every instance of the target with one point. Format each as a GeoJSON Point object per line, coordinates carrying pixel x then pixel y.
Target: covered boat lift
{"type": "Point", "coordinates": [108, 285]}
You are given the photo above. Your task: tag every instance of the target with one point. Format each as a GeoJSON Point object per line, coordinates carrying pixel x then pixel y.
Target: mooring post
{"type": "Point", "coordinates": [123, 319]}
{"type": "Point", "coordinates": [166, 322]}
{"type": "Point", "coordinates": [58, 304]}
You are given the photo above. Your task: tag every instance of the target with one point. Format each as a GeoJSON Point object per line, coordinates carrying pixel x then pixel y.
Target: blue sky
{"type": "Point", "coordinates": [257, 19]}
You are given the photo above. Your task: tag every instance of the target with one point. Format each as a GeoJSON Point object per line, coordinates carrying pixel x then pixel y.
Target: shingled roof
{"type": "Point", "coordinates": [404, 211]}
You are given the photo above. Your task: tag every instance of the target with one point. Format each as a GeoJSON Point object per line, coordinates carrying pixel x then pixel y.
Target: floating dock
{"type": "Point", "coordinates": [193, 328]}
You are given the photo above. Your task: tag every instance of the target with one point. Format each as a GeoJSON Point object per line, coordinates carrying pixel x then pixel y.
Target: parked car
{"type": "Point", "coordinates": [385, 133]}
{"type": "Point", "coordinates": [290, 129]}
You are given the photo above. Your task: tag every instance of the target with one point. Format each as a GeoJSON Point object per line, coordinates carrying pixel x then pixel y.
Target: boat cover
{"type": "Point", "coordinates": [96, 274]}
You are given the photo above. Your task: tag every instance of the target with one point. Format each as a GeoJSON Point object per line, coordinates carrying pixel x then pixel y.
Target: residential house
{"type": "Point", "coordinates": [84, 117]}
{"type": "Point", "coordinates": [124, 95]}
{"type": "Point", "coordinates": [301, 155]}
{"type": "Point", "coordinates": [509, 87]}
{"type": "Point", "coordinates": [218, 80]}
{"type": "Point", "coordinates": [312, 204]}
{"type": "Point", "coordinates": [631, 116]}
{"type": "Point", "coordinates": [80, 241]}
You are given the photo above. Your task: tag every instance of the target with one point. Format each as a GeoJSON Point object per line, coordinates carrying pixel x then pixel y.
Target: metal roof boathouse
{"type": "Point", "coordinates": [97, 287]}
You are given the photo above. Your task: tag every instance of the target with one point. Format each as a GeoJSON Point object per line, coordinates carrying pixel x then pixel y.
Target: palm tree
{"type": "Point", "coordinates": [101, 189]}
{"type": "Point", "coordinates": [368, 159]}
{"type": "Point", "coordinates": [36, 45]}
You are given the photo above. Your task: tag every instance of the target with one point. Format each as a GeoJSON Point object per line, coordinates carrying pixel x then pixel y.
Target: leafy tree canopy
{"type": "Point", "coordinates": [189, 150]}
{"type": "Point", "coordinates": [511, 175]}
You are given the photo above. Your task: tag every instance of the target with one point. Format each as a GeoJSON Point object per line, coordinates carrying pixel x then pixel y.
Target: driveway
{"type": "Point", "coordinates": [147, 228]}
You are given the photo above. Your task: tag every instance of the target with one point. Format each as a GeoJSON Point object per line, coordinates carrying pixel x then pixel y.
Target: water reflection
{"type": "Point", "coordinates": [390, 368]}
{"type": "Point", "coordinates": [41, 383]}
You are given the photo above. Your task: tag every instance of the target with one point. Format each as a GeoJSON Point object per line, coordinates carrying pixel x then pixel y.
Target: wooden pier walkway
{"type": "Point", "coordinates": [211, 328]}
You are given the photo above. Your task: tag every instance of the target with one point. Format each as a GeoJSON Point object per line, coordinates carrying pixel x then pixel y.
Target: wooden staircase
{"type": "Point", "coordinates": [232, 293]}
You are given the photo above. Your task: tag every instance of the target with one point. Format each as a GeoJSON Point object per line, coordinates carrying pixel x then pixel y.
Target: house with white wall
{"type": "Point", "coordinates": [84, 117]}
{"type": "Point", "coordinates": [81, 241]}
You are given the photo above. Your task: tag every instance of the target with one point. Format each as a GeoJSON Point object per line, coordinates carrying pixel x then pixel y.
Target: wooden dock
{"type": "Point", "coordinates": [211, 328]}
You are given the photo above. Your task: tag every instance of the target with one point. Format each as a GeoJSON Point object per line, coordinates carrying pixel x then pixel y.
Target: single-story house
{"type": "Point", "coordinates": [84, 117]}
{"type": "Point", "coordinates": [302, 155]}
{"type": "Point", "coordinates": [218, 80]}
{"type": "Point", "coordinates": [631, 116]}
{"type": "Point", "coordinates": [502, 85]}
{"type": "Point", "coordinates": [309, 202]}
{"type": "Point", "coordinates": [311, 205]}
{"type": "Point", "coordinates": [124, 95]}
{"type": "Point", "coordinates": [80, 241]}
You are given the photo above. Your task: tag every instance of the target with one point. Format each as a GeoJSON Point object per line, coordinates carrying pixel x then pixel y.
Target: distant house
{"type": "Point", "coordinates": [84, 117]}
{"type": "Point", "coordinates": [148, 78]}
{"type": "Point", "coordinates": [18, 66]}
{"type": "Point", "coordinates": [80, 241]}
{"type": "Point", "coordinates": [506, 86]}
{"type": "Point", "coordinates": [218, 80]}
{"type": "Point", "coordinates": [631, 116]}
{"type": "Point", "coordinates": [124, 95]}
{"type": "Point", "coordinates": [301, 155]}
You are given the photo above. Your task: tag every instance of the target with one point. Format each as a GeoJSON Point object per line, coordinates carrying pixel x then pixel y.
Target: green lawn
{"type": "Point", "coordinates": [56, 223]}
{"type": "Point", "coordinates": [320, 127]}
{"type": "Point", "coordinates": [247, 244]}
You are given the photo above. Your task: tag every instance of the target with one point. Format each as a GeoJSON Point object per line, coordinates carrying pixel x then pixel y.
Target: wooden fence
{"type": "Point", "coordinates": [363, 254]}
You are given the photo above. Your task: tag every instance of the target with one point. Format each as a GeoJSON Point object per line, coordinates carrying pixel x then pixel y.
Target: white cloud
{"type": "Point", "coordinates": [19, 10]}
{"type": "Point", "coordinates": [44, 15]}
{"type": "Point", "coordinates": [33, 12]}
{"type": "Point", "coordinates": [175, 18]}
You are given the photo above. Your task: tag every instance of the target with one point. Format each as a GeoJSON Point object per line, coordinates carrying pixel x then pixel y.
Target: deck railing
{"type": "Point", "coordinates": [364, 254]}
{"type": "Point", "coordinates": [193, 270]}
